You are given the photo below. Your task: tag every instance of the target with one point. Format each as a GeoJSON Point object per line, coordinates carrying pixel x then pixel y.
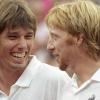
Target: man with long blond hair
{"type": "Point", "coordinates": [74, 39]}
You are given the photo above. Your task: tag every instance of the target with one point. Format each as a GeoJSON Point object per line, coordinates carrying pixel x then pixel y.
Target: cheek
{"type": "Point", "coordinates": [68, 47]}
{"type": "Point", "coordinates": [59, 44]}
{"type": "Point", "coordinates": [31, 44]}
{"type": "Point", "coordinates": [66, 51]}
{"type": "Point", "coordinates": [4, 45]}
{"type": "Point", "coordinates": [4, 50]}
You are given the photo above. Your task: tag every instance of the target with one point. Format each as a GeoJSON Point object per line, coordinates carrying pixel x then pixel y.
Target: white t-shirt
{"type": "Point", "coordinates": [90, 90]}
{"type": "Point", "coordinates": [38, 82]}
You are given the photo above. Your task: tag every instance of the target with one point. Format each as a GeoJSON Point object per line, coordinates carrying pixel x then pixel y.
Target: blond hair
{"type": "Point", "coordinates": [81, 16]}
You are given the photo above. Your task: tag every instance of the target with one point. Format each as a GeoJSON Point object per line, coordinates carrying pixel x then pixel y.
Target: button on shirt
{"type": "Point", "coordinates": [38, 82]}
{"type": "Point", "coordinates": [90, 90]}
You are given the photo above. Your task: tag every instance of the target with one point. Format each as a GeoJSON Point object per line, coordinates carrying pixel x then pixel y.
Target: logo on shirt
{"type": "Point", "coordinates": [92, 97]}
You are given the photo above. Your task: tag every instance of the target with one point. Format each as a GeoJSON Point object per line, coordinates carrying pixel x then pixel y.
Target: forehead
{"type": "Point", "coordinates": [18, 30]}
{"type": "Point", "coordinates": [21, 29]}
{"type": "Point", "coordinates": [57, 31]}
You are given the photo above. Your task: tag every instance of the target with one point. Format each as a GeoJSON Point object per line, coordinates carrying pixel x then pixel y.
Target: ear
{"type": "Point", "coordinates": [79, 39]}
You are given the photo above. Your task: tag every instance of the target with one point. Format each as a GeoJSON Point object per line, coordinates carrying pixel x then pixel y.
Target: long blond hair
{"type": "Point", "coordinates": [80, 16]}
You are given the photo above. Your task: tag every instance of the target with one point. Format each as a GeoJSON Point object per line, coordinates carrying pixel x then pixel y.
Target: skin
{"type": "Point", "coordinates": [62, 46]}
{"type": "Point", "coordinates": [15, 48]}
{"type": "Point", "coordinates": [71, 54]}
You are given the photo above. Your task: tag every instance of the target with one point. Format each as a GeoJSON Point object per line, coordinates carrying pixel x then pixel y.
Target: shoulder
{"type": "Point", "coordinates": [47, 72]}
{"type": "Point", "coordinates": [53, 73]}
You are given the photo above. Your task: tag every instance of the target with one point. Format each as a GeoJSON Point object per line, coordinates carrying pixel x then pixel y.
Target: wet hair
{"type": "Point", "coordinates": [16, 13]}
{"type": "Point", "coordinates": [78, 17]}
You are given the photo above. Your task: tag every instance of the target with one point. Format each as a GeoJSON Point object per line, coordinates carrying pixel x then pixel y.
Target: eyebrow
{"type": "Point", "coordinates": [12, 33]}
{"type": "Point", "coordinates": [53, 34]}
{"type": "Point", "coordinates": [17, 32]}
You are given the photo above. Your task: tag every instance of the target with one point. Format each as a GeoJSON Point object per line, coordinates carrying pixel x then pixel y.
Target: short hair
{"type": "Point", "coordinates": [78, 17]}
{"type": "Point", "coordinates": [16, 13]}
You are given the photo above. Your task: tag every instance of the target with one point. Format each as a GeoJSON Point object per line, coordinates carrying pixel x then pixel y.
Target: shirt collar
{"type": "Point", "coordinates": [96, 76]}
{"type": "Point", "coordinates": [29, 73]}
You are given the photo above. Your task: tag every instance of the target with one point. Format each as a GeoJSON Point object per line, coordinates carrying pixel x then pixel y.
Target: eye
{"type": "Point", "coordinates": [54, 38]}
{"type": "Point", "coordinates": [28, 37]}
{"type": "Point", "coordinates": [12, 37]}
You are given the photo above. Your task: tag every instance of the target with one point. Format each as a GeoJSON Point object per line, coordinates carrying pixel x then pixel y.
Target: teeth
{"type": "Point", "coordinates": [19, 55]}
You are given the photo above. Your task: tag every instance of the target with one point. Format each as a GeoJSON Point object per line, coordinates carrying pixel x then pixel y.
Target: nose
{"type": "Point", "coordinates": [50, 45]}
{"type": "Point", "coordinates": [22, 44]}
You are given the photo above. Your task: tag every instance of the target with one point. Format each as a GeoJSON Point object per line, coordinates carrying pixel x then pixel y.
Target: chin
{"type": "Point", "coordinates": [67, 69]}
{"type": "Point", "coordinates": [62, 67]}
{"type": "Point", "coordinates": [18, 65]}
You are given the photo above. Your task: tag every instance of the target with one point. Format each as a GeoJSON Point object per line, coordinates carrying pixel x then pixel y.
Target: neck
{"type": "Point", "coordinates": [85, 70]}
{"type": "Point", "coordinates": [7, 78]}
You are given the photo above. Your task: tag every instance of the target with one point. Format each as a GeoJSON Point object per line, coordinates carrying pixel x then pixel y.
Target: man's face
{"type": "Point", "coordinates": [62, 46]}
{"type": "Point", "coordinates": [15, 47]}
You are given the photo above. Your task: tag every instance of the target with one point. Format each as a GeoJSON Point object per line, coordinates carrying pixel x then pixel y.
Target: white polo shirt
{"type": "Point", "coordinates": [38, 82]}
{"type": "Point", "coordinates": [90, 90]}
